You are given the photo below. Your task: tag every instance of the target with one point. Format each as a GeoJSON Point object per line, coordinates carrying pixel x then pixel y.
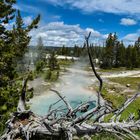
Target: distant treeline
{"type": "Point", "coordinates": [64, 50]}
{"type": "Point", "coordinates": [116, 54]}
{"type": "Point", "coordinates": [113, 54]}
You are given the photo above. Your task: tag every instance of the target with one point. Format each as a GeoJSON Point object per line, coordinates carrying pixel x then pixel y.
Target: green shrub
{"type": "Point", "coordinates": [51, 75]}
{"type": "Point", "coordinates": [31, 76]}
{"type": "Point", "coordinates": [54, 76]}
{"type": "Point", "coordinates": [39, 66]}
{"type": "Point", "coordinates": [48, 74]}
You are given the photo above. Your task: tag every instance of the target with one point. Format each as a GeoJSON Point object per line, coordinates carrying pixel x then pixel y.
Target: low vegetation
{"type": "Point", "coordinates": [116, 95]}
{"type": "Point", "coordinates": [133, 81]}
{"type": "Point", "coordinates": [65, 62]}
{"type": "Point", "coordinates": [115, 98]}
{"type": "Point", "coordinates": [51, 76]}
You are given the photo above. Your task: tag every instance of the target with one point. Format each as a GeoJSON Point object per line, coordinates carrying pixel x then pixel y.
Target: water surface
{"type": "Point", "coordinates": [73, 84]}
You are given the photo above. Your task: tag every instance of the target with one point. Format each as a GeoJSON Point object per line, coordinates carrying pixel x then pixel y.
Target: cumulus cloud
{"type": "Point", "coordinates": [108, 6]}
{"type": "Point", "coordinates": [58, 34]}
{"type": "Point", "coordinates": [128, 21]}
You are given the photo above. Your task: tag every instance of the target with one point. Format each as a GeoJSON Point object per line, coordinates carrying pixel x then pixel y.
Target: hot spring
{"type": "Point", "coordinates": [73, 84]}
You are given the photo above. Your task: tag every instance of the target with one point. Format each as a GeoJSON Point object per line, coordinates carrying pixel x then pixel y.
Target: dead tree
{"type": "Point", "coordinates": [64, 123]}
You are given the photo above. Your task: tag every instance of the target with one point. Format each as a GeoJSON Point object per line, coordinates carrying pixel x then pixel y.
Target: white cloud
{"type": "Point", "coordinates": [58, 34]}
{"type": "Point", "coordinates": [93, 32]}
{"type": "Point", "coordinates": [27, 20]}
{"type": "Point", "coordinates": [105, 36]}
{"type": "Point", "coordinates": [108, 6]}
{"type": "Point", "coordinates": [9, 26]}
{"type": "Point", "coordinates": [131, 38]}
{"type": "Point", "coordinates": [128, 21]}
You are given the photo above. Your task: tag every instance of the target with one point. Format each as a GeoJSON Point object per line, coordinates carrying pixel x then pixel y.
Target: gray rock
{"type": "Point", "coordinates": [128, 85]}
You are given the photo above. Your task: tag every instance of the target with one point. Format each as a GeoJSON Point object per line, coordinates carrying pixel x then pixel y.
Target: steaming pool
{"type": "Point", "coordinates": [41, 103]}
{"type": "Point", "coordinates": [73, 85]}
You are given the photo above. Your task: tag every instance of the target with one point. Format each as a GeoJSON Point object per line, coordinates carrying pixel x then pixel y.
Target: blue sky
{"type": "Point", "coordinates": [65, 22]}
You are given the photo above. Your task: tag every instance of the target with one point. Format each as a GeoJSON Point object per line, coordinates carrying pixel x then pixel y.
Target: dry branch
{"type": "Point", "coordinates": [21, 104]}
{"type": "Point", "coordinates": [93, 68]}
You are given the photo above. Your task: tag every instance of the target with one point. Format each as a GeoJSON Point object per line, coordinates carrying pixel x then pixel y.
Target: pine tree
{"type": "Point", "coordinates": [13, 45]}
{"type": "Point", "coordinates": [52, 61]}
{"type": "Point", "coordinates": [121, 55]}
{"type": "Point", "coordinates": [76, 51]}
{"type": "Point", "coordinates": [109, 52]}
{"type": "Point", "coordinates": [7, 13]}
{"type": "Point", "coordinates": [137, 43]}
{"type": "Point", "coordinates": [134, 57]}
{"type": "Point", "coordinates": [128, 57]}
{"type": "Point", "coordinates": [63, 50]}
{"type": "Point", "coordinates": [137, 46]}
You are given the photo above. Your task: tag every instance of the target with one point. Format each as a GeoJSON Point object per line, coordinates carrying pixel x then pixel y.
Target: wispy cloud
{"type": "Point", "coordinates": [128, 21]}
{"type": "Point", "coordinates": [27, 8]}
{"type": "Point", "coordinates": [108, 6]}
{"type": "Point", "coordinates": [56, 17]}
{"type": "Point", "coordinates": [101, 20]}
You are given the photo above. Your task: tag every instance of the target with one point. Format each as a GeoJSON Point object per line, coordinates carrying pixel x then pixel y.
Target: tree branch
{"type": "Point", "coordinates": [22, 101]}
{"type": "Point", "coordinates": [93, 68]}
